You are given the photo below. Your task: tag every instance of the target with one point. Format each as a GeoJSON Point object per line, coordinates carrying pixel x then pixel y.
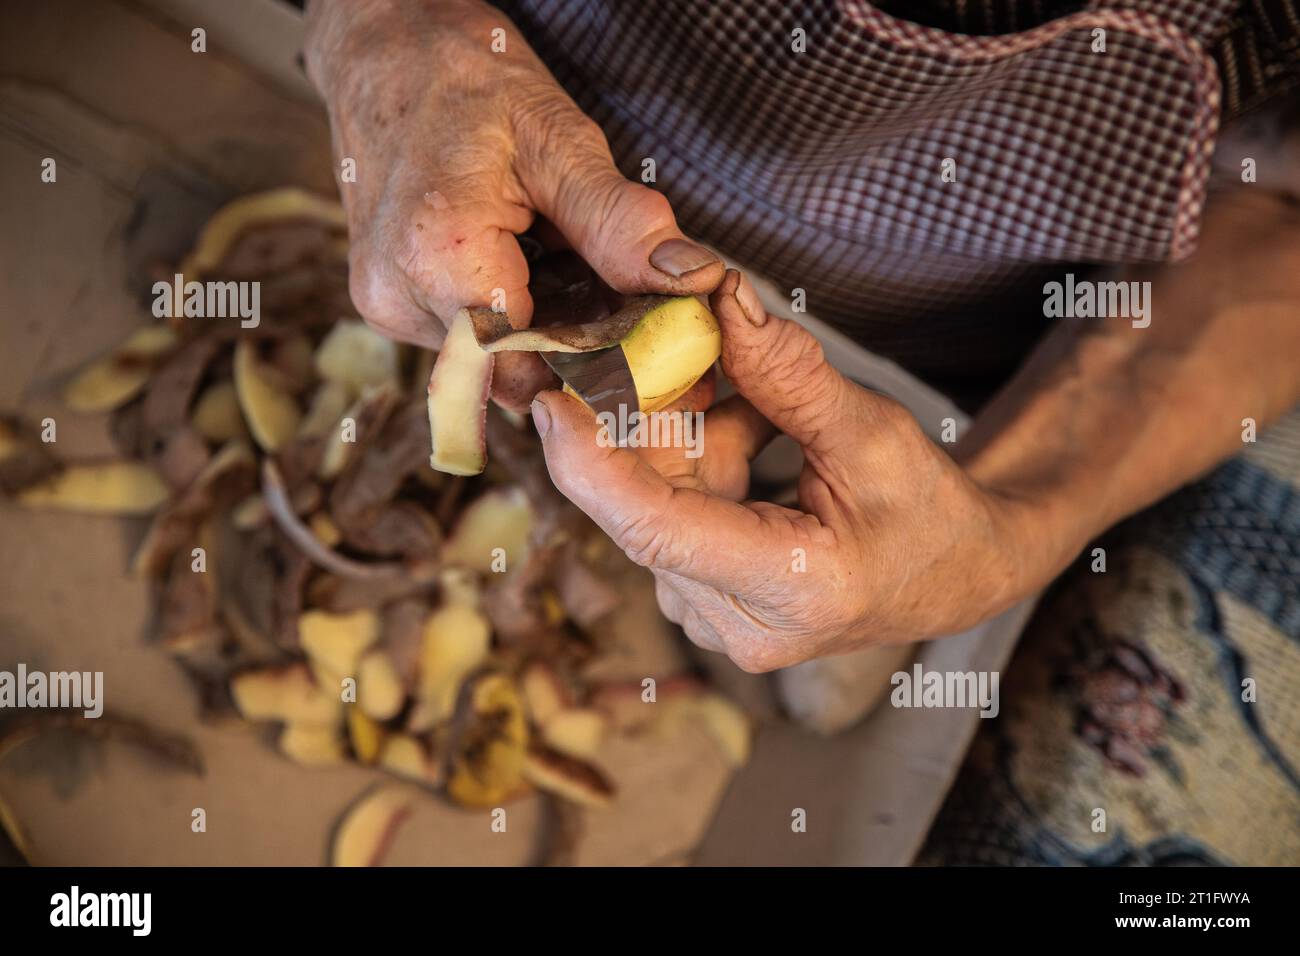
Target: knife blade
{"type": "Point", "coordinates": [601, 378]}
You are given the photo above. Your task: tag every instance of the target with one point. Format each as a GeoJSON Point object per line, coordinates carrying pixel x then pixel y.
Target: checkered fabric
{"type": "Point", "coordinates": [1257, 48]}
{"type": "Point", "coordinates": [825, 169]}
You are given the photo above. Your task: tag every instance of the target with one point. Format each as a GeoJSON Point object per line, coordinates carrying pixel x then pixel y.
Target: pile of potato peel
{"type": "Point", "coordinates": [315, 575]}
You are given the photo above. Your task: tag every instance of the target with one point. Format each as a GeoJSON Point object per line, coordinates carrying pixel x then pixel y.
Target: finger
{"type": "Point", "coordinates": [736, 425]}
{"type": "Point", "coordinates": [382, 297]}
{"type": "Point", "coordinates": [718, 462]}
{"type": "Point", "coordinates": [517, 377]}
{"type": "Point", "coordinates": [625, 230]}
{"type": "Point", "coordinates": [698, 397]}
{"type": "Point", "coordinates": [440, 254]}
{"type": "Point", "coordinates": [781, 368]}
{"type": "Point", "coordinates": [460, 254]}
{"type": "Point", "coordinates": [435, 253]}
{"type": "Point", "coordinates": [679, 460]}
{"type": "Point", "coordinates": [458, 249]}
{"type": "Point", "coordinates": [689, 532]}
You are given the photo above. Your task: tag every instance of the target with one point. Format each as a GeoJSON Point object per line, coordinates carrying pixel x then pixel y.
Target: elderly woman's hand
{"type": "Point", "coordinates": [892, 541]}
{"type": "Point", "coordinates": [460, 137]}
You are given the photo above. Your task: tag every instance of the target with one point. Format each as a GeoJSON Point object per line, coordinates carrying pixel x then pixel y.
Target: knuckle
{"type": "Point", "coordinates": [585, 134]}
{"type": "Point", "coordinates": [629, 211]}
{"type": "Point", "coordinates": [798, 356]}
{"type": "Point", "coordinates": [788, 357]}
{"type": "Point", "coordinates": [696, 631]}
{"type": "Point", "coordinates": [423, 234]}
{"type": "Point", "coordinates": [369, 287]}
{"type": "Point", "coordinates": [646, 541]}
{"type": "Point", "coordinates": [440, 251]}
{"type": "Point", "coordinates": [668, 601]}
{"type": "Point", "coordinates": [890, 415]}
{"type": "Point", "coordinates": [550, 125]}
{"type": "Point", "coordinates": [752, 658]}
{"type": "Point", "coordinates": [652, 207]}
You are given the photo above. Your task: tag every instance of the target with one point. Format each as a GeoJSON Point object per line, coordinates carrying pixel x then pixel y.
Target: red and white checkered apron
{"type": "Point", "coordinates": [824, 169]}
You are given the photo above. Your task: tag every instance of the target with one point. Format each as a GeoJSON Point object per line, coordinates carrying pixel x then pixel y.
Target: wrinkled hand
{"type": "Point", "coordinates": [457, 148]}
{"type": "Point", "coordinates": [896, 542]}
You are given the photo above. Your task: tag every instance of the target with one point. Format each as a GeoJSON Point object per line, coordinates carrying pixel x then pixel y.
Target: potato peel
{"type": "Point", "coordinates": [467, 680]}
{"type": "Point", "coordinates": [494, 333]}
{"type": "Point", "coordinates": [368, 827]}
{"type": "Point", "coordinates": [569, 777]}
{"type": "Point", "coordinates": [104, 488]}
{"type": "Point", "coordinates": [277, 503]}
{"type": "Point", "coordinates": [217, 416]}
{"type": "Point", "coordinates": [576, 732]}
{"type": "Point", "coordinates": [233, 219]}
{"type": "Point", "coordinates": [312, 745]}
{"type": "Point", "coordinates": [170, 748]}
{"type": "Point", "coordinates": [271, 412]}
{"type": "Point", "coordinates": [406, 756]}
{"type": "Point", "coordinates": [457, 401]}
{"type": "Point", "coordinates": [490, 747]}
{"type": "Point", "coordinates": [285, 693]}
{"type": "Point", "coordinates": [495, 527]}
{"type": "Point", "coordinates": [121, 375]}
{"type": "Point", "coordinates": [356, 356]}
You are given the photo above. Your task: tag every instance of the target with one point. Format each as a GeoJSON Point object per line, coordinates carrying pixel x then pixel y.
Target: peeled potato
{"type": "Point", "coordinates": [380, 692]}
{"type": "Point", "coordinates": [674, 343]}
{"type": "Point", "coordinates": [668, 342]}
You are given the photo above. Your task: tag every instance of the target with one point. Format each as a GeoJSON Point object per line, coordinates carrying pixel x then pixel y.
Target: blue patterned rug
{"type": "Point", "coordinates": [1150, 714]}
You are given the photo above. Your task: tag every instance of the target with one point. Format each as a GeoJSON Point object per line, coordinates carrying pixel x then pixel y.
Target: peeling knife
{"type": "Point", "coordinates": [601, 378]}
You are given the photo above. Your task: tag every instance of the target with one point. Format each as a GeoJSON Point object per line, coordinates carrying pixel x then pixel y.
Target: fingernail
{"type": "Point", "coordinates": [678, 257]}
{"type": "Point", "coordinates": [541, 417]}
{"type": "Point", "coordinates": [748, 298]}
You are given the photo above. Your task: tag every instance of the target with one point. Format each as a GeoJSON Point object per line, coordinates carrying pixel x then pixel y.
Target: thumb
{"type": "Point", "coordinates": [626, 231]}
{"type": "Point", "coordinates": [781, 369]}
{"type": "Point", "coordinates": [688, 532]}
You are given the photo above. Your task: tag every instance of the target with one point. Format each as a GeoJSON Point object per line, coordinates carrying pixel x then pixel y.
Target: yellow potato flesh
{"type": "Point", "coordinates": [669, 349]}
